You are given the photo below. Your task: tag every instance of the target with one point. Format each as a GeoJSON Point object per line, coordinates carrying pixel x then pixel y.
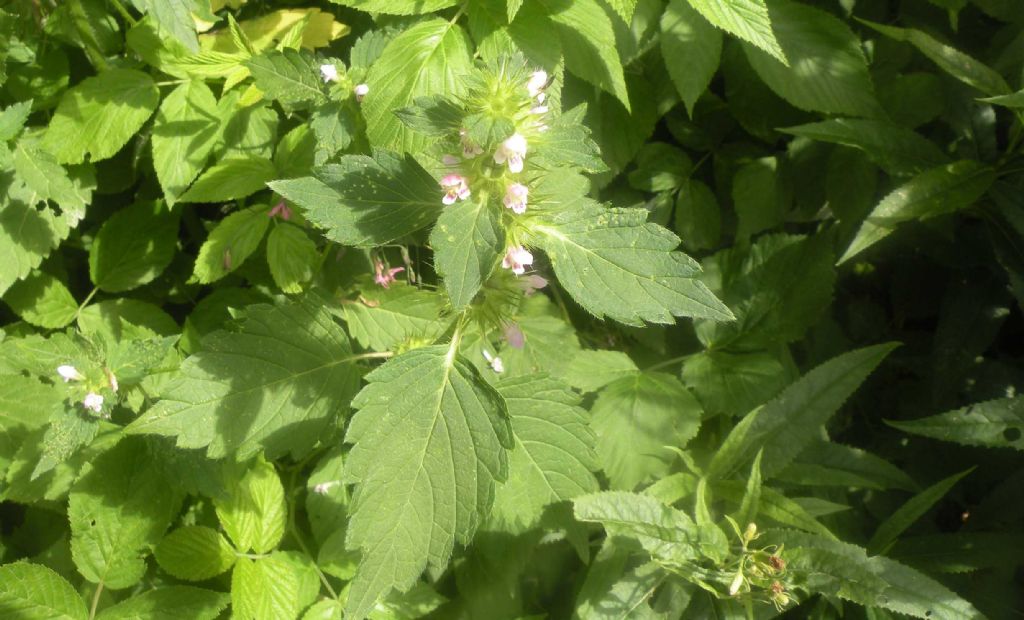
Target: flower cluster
{"type": "Point", "coordinates": [93, 401]}
{"type": "Point", "coordinates": [383, 275]}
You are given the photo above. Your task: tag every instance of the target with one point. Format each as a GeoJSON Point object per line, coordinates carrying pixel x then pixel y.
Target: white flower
{"type": "Point", "coordinates": [360, 91]}
{"type": "Point", "coordinates": [324, 487]}
{"type": "Point", "coordinates": [512, 150]}
{"type": "Point", "coordinates": [455, 188]}
{"type": "Point", "coordinates": [538, 80]}
{"type": "Point", "coordinates": [515, 197]}
{"type": "Point", "coordinates": [329, 73]}
{"type": "Point", "coordinates": [69, 373]}
{"type": "Point", "coordinates": [517, 258]}
{"type": "Point", "coordinates": [539, 109]}
{"type": "Point", "coordinates": [494, 361]}
{"type": "Point", "coordinates": [93, 401]}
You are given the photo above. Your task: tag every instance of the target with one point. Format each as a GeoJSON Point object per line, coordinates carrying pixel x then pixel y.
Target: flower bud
{"type": "Point", "coordinates": [329, 73]}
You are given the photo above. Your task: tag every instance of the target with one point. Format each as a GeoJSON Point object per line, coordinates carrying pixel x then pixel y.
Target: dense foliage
{"type": "Point", "coordinates": [380, 308]}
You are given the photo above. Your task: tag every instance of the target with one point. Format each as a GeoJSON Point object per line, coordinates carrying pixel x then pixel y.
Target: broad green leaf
{"type": "Point", "coordinates": [195, 553]}
{"type": "Point", "coordinates": [691, 48]}
{"type": "Point", "coordinates": [549, 341]}
{"type": "Point", "coordinates": [430, 58]}
{"type": "Point", "coordinates": [959, 552]}
{"type": "Point", "coordinates": [589, 371]}
{"type": "Point", "coordinates": [758, 197]}
{"type": "Point", "coordinates": [698, 219]}
{"type": "Point", "coordinates": [118, 510]}
{"type": "Point", "coordinates": [98, 116]}
{"type": "Point", "coordinates": [825, 463]}
{"type": "Point", "coordinates": [554, 456]}
{"type": "Point", "coordinates": [235, 400]}
{"type": "Point", "coordinates": [617, 265]}
{"type": "Point", "coordinates": [660, 167]}
{"type": "Point", "coordinates": [567, 144]}
{"type": "Point", "coordinates": [12, 119]}
{"type": "Point", "coordinates": [231, 179]}
{"type": "Point", "coordinates": [34, 592]}
{"type": "Point", "coordinates": [615, 589]}
{"type": "Point", "coordinates": [827, 69]}
{"type": "Point", "coordinates": [108, 316]}
{"type": "Point", "coordinates": [895, 148]}
{"type": "Point", "coordinates": [264, 589]}
{"type": "Point", "coordinates": [296, 152]}
{"type": "Point", "coordinates": [467, 240]}
{"type": "Point", "coordinates": [734, 383]}
{"type": "Point", "coordinates": [669, 535]}
{"type": "Point", "coordinates": [747, 19]}
{"type": "Point", "coordinates": [787, 423]}
{"type": "Point", "coordinates": [292, 256]}
{"type": "Point", "coordinates": [934, 192]}
{"type": "Point", "coordinates": [174, 16]}
{"type": "Point", "coordinates": [949, 59]}
{"type": "Point", "coordinates": [772, 507]}
{"type": "Point", "coordinates": [365, 201]}
{"type": "Point", "coordinates": [40, 171]}
{"type": "Point", "coordinates": [994, 423]}
{"type": "Point", "coordinates": [907, 514]}
{"type": "Point", "coordinates": [639, 422]}
{"type": "Point", "coordinates": [22, 398]}
{"type": "Point", "coordinates": [334, 125]}
{"type": "Point", "coordinates": [327, 609]}
{"type": "Point", "coordinates": [247, 132]}
{"type": "Point", "coordinates": [42, 300]}
{"type": "Point", "coordinates": [254, 514]}
{"type": "Point", "coordinates": [184, 132]}
{"type": "Point", "coordinates": [133, 247]}
{"type": "Point", "coordinates": [290, 76]}
{"type": "Point", "coordinates": [381, 319]}
{"type": "Point", "coordinates": [233, 240]}
{"type": "Point", "coordinates": [397, 7]}
{"type": "Point", "coordinates": [588, 42]}
{"type": "Point", "coordinates": [69, 431]}
{"type": "Point", "coordinates": [431, 438]}
{"type": "Point", "coordinates": [846, 571]}
{"type": "Point", "coordinates": [169, 603]}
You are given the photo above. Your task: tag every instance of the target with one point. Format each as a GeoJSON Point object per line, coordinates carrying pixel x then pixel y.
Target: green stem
{"type": "Point", "coordinates": [95, 600]}
{"type": "Point", "coordinates": [293, 529]}
{"type": "Point", "coordinates": [668, 362]}
{"type": "Point", "coordinates": [87, 34]}
{"type": "Point", "coordinates": [88, 298]}
{"type": "Point", "coordinates": [124, 13]}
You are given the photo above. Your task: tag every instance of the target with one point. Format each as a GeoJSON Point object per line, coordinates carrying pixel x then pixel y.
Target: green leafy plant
{"type": "Point", "coordinates": [504, 309]}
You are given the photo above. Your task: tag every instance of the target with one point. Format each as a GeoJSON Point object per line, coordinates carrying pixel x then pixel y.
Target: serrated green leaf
{"type": "Point", "coordinates": [254, 514]}
{"type": "Point", "coordinates": [747, 19]}
{"type": "Point", "coordinates": [825, 463]}
{"type": "Point", "coordinates": [169, 603]}
{"type": "Point", "coordinates": [12, 119]}
{"type": "Point", "coordinates": [234, 400]}
{"type": "Point", "coordinates": [639, 422]}
{"type": "Point", "coordinates": [234, 240]}
{"type": "Point", "coordinates": [554, 456]}
{"type": "Point", "coordinates": [827, 69]}
{"type": "Point", "coordinates": [617, 265]}
{"type": "Point", "coordinates": [231, 179]}
{"type": "Point", "coordinates": [787, 423]}
{"type": "Point", "coordinates": [772, 507]}
{"type": "Point", "coordinates": [669, 535]}
{"type": "Point", "coordinates": [264, 589]}
{"type": "Point", "coordinates": [69, 431]}
{"type": "Point", "coordinates": [397, 7]}
{"type": "Point", "coordinates": [326, 609]}
{"type": "Point", "coordinates": [437, 53]}
{"type": "Point", "coordinates": [381, 319]}
{"type": "Point", "coordinates": [365, 201]}
{"type": "Point", "coordinates": [34, 592]}
{"type": "Point", "coordinates": [589, 371]}
{"type": "Point", "coordinates": [28, 234]}
{"type": "Point", "coordinates": [994, 423]}
{"type": "Point", "coordinates": [934, 192]}
{"type": "Point", "coordinates": [949, 59]}
{"type": "Point", "coordinates": [734, 383]}
{"type": "Point", "coordinates": [467, 241]}
{"type": "Point", "coordinates": [615, 589]}
{"type": "Point", "coordinates": [184, 132]}
{"type": "Point", "coordinates": [895, 148]}
{"type": "Point", "coordinates": [334, 125]}
{"type": "Point", "coordinates": [292, 256]}
{"type": "Point", "coordinates": [98, 116]}
{"type": "Point", "coordinates": [567, 144]}
{"type": "Point", "coordinates": [195, 553]}
{"type": "Point", "coordinates": [41, 172]}
{"type": "Point", "coordinates": [846, 571]}
{"type": "Point", "coordinates": [430, 441]}
{"type": "Point", "coordinates": [290, 76]}
{"type": "Point", "coordinates": [133, 247]}
{"type": "Point", "coordinates": [174, 16]}
{"type": "Point", "coordinates": [118, 510]}
{"type": "Point", "coordinates": [588, 43]}
{"type": "Point", "coordinates": [42, 300]}
{"type": "Point", "coordinates": [905, 516]}
{"type": "Point", "coordinates": [691, 48]}
{"type": "Point", "coordinates": [549, 341]}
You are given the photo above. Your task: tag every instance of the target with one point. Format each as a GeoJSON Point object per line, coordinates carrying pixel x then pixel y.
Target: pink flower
{"type": "Point", "coordinates": [512, 150]}
{"type": "Point", "coordinates": [515, 197]}
{"type": "Point", "coordinates": [281, 210]}
{"type": "Point", "coordinates": [93, 401]}
{"type": "Point", "coordinates": [514, 336]}
{"type": "Point", "coordinates": [360, 91]}
{"type": "Point", "coordinates": [517, 258]}
{"type": "Point", "coordinates": [450, 160]}
{"type": "Point", "coordinates": [538, 80]}
{"type": "Point", "coordinates": [469, 149]}
{"type": "Point", "coordinates": [385, 277]}
{"type": "Point", "coordinates": [533, 283]}
{"type": "Point", "coordinates": [455, 188]}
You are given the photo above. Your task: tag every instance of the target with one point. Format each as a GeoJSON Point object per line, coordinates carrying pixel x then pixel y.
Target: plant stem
{"type": "Point", "coordinates": [95, 600]}
{"type": "Point", "coordinates": [124, 13]}
{"type": "Point", "coordinates": [88, 298]}
{"type": "Point", "coordinates": [668, 362]}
